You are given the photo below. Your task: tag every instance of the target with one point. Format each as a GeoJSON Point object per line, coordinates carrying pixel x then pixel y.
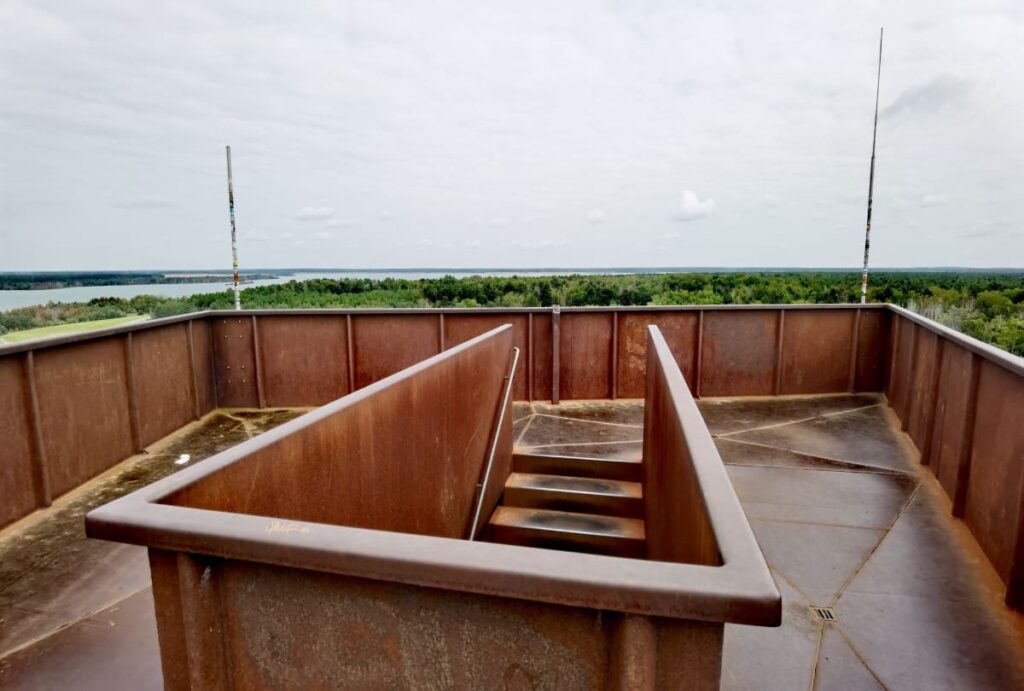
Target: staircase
{"type": "Point", "coordinates": [571, 503]}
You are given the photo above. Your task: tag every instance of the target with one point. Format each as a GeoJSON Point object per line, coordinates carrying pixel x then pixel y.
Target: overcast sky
{"type": "Point", "coordinates": [513, 134]}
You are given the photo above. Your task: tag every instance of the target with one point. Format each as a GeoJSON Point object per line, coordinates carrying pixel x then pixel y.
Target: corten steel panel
{"type": "Point", "coordinates": [920, 401]}
{"type": "Point", "coordinates": [202, 347]}
{"type": "Point", "coordinates": [234, 362]}
{"type": "Point", "coordinates": [680, 332]}
{"type": "Point", "coordinates": [406, 457]}
{"type": "Point", "coordinates": [385, 344]}
{"type": "Point", "coordinates": [816, 351]}
{"type": "Point", "coordinates": [996, 488]}
{"type": "Point", "coordinates": [460, 328]}
{"type": "Point", "coordinates": [164, 568]}
{"type": "Point", "coordinates": [541, 355]}
{"type": "Point", "coordinates": [17, 490]}
{"type": "Point", "coordinates": [951, 409]}
{"type": "Point", "coordinates": [739, 353]}
{"type": "Point", "coordinates": [163, 380]}
{"type": "Point", "coordinates": [305, 359]}
{"type": "Point", "coordinates": [585, 365]}
{"type": "Point", "coordinates": [872, 350]}
{"type": "Point", "coordinates": [83, 405]}
{"type": "Point", "coordinates": [163, 516]}
{"type": "Point", "coordinates": [678, 527]}
{"type": "Point", "coordinates": [271, 623]}
{"type": "Point", "coordinates": [902, 375]}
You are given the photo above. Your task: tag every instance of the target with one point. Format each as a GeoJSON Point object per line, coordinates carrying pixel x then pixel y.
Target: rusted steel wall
{"type": "Point", "coordinates": [303, 360]}
{"type": "Point", "coordinates": [574, 354]}
{"type": "Point", "coordinates": [234, 361]}
{"type": "Point", "coordinates": [164, 388]}
{"type": "Point", "coordinates": [457, 328]}
{"type": "Point", "coordinates": [203, 368]}
{"type": "Point", "coordinates": [385, 343]}
{"type": "Point", "coordinates": [74, 406]}
{"type": "Point", "coordinates": [961, 403]}
{"type": "Point", "coordinates": [85, 412]}
{"type": "Point", "coordinates": [404, 456]}
{"type": "Point", "coordinates": [151, 378]}
{"type": "Point", "coordinates": [20, 469]}
{"type": "Point", "coordinates": [677, 524]}
{"type": "Point", "coordinates": [235, 624]}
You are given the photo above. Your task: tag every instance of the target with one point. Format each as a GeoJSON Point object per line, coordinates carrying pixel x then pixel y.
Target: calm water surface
{"type": "Point", "coordinates": [11, 299]}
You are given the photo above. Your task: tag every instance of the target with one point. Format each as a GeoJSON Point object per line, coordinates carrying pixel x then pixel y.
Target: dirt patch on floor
{"type": "Point", "coordinates": [47, 549]}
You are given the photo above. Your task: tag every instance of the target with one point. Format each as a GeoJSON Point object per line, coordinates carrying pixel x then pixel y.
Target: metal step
{"type": "Point", "coordinates": [577, 466]}
{"type": "Point", "coordinates": [576, 494]}
{"type": "Point", "coordinates": [564, 530]}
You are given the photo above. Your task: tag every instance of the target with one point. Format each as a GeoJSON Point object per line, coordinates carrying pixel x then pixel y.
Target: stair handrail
{"type": "Point", "coordinates": [496, 433]}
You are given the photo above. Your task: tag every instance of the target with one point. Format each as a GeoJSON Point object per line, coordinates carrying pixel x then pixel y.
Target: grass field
{"type": "Point", "coordinates": [63, 329]}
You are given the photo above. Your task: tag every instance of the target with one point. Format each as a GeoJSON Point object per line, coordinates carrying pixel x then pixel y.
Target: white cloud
{"type": "Point", "coordinates": [670, 235]}
{"type": "Point", "coordinates": [323, 235]}
{"type": "Point", "coordinates": [538, 116]}
{"type": "Point", "coordinates": [596, 216]}
{"type": "Point", "coordinates": [933, 200]}
{"type": "Point", "coordinates": [928, 98]}
{"type": "Point", "coordinates": [473, 243]}
{"type": "Point", "coordinates": [691, 207]}
{"type": "Point", "coordinates": [338, 223]}
{"type": "Point", "coordinates": [314, 213]}
{"type": "Point", "coordinates": [499, 222]}
{"type": "Point", "coordinates": [535, 244]}
{"type": "Point", "coordinates": [144, 202]}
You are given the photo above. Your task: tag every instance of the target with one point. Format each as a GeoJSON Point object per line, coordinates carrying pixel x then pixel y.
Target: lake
{"type": "Point", "coordinates": [12, 299]}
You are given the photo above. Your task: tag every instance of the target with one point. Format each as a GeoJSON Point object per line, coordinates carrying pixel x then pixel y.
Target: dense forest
{"type": "Point", "coordinates": [988, 306]}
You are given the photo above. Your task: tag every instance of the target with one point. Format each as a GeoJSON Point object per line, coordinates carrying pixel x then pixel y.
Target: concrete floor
{"type": "Point", "coordinates": [843, 514]}
{"type": "Point", "coordinates": [846, 519]}
{"type": "Point", "coordinates": [78, 613]}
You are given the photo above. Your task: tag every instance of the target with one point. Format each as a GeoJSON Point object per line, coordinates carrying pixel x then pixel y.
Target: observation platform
{"type": "Point", "coordinates": [849, 522]}
{"type": "Point", "coordinates": [856, 471]}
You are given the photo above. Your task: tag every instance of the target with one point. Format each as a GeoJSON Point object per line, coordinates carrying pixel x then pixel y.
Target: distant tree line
{"type": "Point", "coordinates": [72, 279]}
{"type": "Point", "coordinates": [989, 306]}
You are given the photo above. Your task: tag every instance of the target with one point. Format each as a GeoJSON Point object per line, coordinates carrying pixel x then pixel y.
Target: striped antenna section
{"type": "Point", "coordinates": [871, 178]}
{"type": "Point", "coordinates": [234, 238]}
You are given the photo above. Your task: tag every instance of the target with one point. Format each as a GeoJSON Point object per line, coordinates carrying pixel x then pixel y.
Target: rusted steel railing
{"type": "Point", "coordinates": [181, 368]}
{"type": "Point", "coordinates": [961, 403]}
{"type": "Point", "coordinates": [488, 493]}
{"type": "Point", "coordinates": [73, 406]}
{"type": "Point", "coordinates": [350, 520]}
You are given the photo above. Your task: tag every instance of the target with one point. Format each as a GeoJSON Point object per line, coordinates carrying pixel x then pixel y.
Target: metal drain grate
{"type": "Point", "coordinates": [824, 613]}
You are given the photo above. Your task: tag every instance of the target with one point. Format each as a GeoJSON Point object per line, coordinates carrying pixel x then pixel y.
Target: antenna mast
{"type": "Point", "coordinates": [234, 241]}
{"type": "Point", "coordinates": [871, 177]}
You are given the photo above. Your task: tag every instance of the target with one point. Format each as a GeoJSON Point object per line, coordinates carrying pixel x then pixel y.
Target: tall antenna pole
{"type": "Point", "coordinates": [871, 177]}
{"type": "Point", "coordinates": [234, 240]}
